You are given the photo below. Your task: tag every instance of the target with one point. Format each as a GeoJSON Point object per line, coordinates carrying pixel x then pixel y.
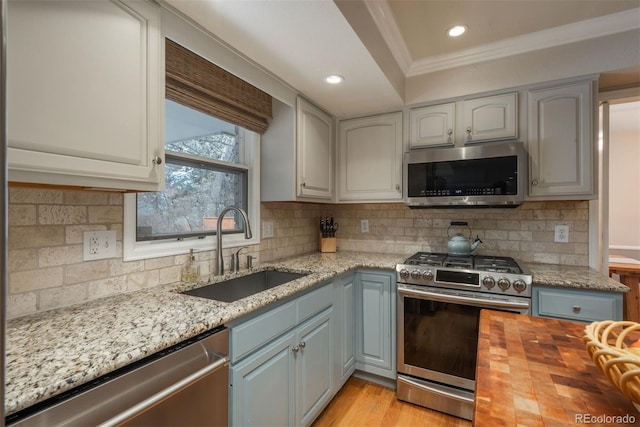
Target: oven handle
{"type": "Point", "coordinates": [485, 303]}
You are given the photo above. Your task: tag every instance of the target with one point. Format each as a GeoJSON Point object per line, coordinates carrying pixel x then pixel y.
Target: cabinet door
{"type": "Point", "coordinates": [315, 151]}
{"type": "Point", "coordinates": [85, 92]}
{"type": "Point", "coordinates": [314, 359]}
{"type": "Point", "coordinates": [375, 312]}
{"type": "Point", "coordinates": [433, 125]}
{"type": "Point", "coordinates": [370, 158]}
{"type": "Point", "coordinates": [344, 337]}
{"type": "Point", "coordinates": [491, 117]}
{"type": "Point", "coordinates": [560, 142]}
{"type": "Point", "coordinates": [262, 386]}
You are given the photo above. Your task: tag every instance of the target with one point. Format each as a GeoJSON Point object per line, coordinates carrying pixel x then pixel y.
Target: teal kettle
{"type": "Point", "coordinates": [458, 244]}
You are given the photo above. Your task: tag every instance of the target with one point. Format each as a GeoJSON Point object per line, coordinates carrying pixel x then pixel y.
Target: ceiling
{"type": "Point", "coordinates": [378, 44]}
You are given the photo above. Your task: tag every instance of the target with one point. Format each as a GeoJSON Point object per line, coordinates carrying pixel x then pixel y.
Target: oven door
{"type": "Point", "coordinates": [437, 331]}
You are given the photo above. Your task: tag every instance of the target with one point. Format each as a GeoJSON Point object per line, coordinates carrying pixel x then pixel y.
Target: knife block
{"type": "Point", "coordinates": [326, 244]}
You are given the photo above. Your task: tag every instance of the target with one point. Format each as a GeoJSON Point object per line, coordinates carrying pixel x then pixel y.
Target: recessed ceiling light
{"type": "Point", "coordinates": [334, 79]}
{"type": "Point", "coordinates": [457, 30]}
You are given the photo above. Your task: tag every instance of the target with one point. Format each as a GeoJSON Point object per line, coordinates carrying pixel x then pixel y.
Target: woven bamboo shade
{"type": "Point", "coordinates": [197, 83]}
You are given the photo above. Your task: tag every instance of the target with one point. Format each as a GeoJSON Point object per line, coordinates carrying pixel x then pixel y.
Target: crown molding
{"type": "Point", "coordinates": [386, 23]}
{"type": "Point", "coordinates": [565, 34]}
{"type": "Point", "coordinates": [557, 36]}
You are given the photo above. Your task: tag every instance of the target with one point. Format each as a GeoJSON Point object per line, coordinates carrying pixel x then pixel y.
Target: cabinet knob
{"type": "Point", "coordinates": [577, 309]}
{"type": "Point", "coordinates": [449, 135]}
{"type": "Point", "coordinates": [295, 349]}
{"type": "Point", "coordinates": [398, 188]}
{"type": "Point", "coordinates": [304, 184]}
{"type": "Point", "coordinates": [302, 344]}
{"type": "Point", "coordinates": [157, 160]}
{"type": "Point", "coordinates": [469, 134]}
{"type": "Point", "coordinates": [534, 182]}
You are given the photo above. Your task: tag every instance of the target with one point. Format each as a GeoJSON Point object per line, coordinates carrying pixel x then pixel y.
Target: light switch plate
{"type": "Point", "coordinates": [364, 225]}
{"type": "Point", "coordinates": [99, 244]}
{"type": "Point", "coordinates": [561, 234]}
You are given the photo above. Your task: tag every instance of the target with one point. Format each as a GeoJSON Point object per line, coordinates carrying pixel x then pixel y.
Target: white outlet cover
{"type": "Point", "coordinates": [561, 234]}
{"type": "Point", "coordinates": [99, 245]}
{"type": "Point", "coordinates": [364, 225]}
{"type": "Point", "coordinates": [267, 229]}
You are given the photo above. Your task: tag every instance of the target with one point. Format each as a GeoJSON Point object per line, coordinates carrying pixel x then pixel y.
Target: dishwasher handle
{"type": "Point", "coordinates": [163, 394]}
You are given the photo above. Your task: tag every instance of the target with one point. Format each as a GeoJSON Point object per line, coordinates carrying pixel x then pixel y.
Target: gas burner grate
{"type": "Point", "coordinates": [465, 262]}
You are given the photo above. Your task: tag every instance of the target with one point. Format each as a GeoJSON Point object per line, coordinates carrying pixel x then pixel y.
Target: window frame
{"type": "Point", "coordinates": [134, 250]}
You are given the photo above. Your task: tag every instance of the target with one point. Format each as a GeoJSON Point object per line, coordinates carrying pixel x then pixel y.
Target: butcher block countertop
{"type": "Point", "coordinates": [54, 351]}
{"type": "Point", "coordinates": [535, 371]}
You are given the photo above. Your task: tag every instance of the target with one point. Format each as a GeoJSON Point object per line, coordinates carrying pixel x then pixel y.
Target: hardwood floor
{"type": "Point", "coordinates": [362, 403]}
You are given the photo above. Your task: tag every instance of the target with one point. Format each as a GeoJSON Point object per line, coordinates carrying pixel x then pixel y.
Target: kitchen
{"type": "Point", "coordinates": [48, 225]}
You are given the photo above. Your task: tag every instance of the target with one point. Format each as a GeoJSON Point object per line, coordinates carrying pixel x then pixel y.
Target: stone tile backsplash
{"type": "Point", "coordinates": [46, 228]}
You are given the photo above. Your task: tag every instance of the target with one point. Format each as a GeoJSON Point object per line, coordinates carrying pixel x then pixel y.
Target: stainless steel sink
{"type": "Point", "coordinates": [241, 287]}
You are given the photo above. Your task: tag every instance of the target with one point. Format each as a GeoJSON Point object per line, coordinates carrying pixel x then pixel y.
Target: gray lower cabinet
{"type": "Point", "coordinates": [344, 291]}
{"type": "Point", "coordinates": [375, 320]}
{"type": "Point", "coordinates": [576, 304]}
{"type": "Point", "coordinates": [285, 378]}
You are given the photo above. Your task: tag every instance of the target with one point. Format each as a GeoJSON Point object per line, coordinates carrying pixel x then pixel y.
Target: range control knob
{"type": "Point", "coordinates": [415, 274]}
{"type": "Point", "coordinates": [427, 275]}
{"type": "Point", "coordinates": [404, 274]}
{"type": "Point", "coordinates": [504, 284]}
{"type": "Point", "coordinates": [519, 285]}
{"type": "Point", "coordinates": [489, 282]}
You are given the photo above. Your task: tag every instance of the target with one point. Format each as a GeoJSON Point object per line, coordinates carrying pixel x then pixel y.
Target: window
{"type": "Point", "coordinates": [210, 164]}
{"type": "Point", "coordinates": [204, 173]}
{"type": "Point", "coordinates": [213, 121]}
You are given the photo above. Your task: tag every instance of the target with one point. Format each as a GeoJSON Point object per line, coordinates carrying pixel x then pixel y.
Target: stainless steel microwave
{"type": "Point", "coordinates": [484, 175]}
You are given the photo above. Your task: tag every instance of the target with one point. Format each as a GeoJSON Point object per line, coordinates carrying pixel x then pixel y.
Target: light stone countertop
{"type": "Point", "coordinates": [51, 352]}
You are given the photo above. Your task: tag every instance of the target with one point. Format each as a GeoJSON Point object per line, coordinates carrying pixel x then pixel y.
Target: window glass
{"type": "Point", "coordinates": [204, 174]}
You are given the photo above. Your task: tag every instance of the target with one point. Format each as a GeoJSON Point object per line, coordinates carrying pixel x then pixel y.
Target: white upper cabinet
{"type": "Point", "coordinates": [432, 126]}
{"type": "Point", "coordinates": [315, 151]}
{"type": "Point", "coordinates": [85, 92]}
{"type": "Point", "coordinates": [297, 154]}
{"type": "Point", "coordinates": [561, 142]}
{"type": "Point", "coordinates": [370, 158]}
{"type": "Point", "coordinates": [491, 118]}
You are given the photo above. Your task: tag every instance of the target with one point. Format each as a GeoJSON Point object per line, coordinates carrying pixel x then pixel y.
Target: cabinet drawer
{"type": "Point", "coordinates": [314, 302]}
{"type": "Point", "coordinates": [574, 306]}
{"type": "Point", "coordinates": [252, 334]}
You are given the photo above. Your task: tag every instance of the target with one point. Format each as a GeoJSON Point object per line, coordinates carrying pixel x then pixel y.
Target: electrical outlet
{"type": "Point", "coordinates": [267, 229]}
{"type": "Point", "coordinates": [364, 225]}
{"type": "Point", "coordinates": [561, 234]}
{"type": "Point", "coordinates": [99, 245]}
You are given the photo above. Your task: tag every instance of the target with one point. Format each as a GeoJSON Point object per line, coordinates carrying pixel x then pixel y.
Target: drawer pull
{"type": "Point", "coordinates": [295, 349]}
{"type": "Point", "coordinates": [577, 308]}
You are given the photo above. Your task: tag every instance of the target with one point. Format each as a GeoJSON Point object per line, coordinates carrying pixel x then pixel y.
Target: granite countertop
{"type": "Point", "coordinates": [535, 371]}
{"type": "Point", "coordinates": [568, 276]}
{"type": "Point", "coordinates": [54, 351]}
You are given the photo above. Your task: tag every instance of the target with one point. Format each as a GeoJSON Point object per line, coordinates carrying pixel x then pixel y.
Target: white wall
{"type": "Point", "coordinates": [624, 179]}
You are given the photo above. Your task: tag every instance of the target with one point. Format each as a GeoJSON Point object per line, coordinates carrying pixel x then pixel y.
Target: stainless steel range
{"type": "Point", "coordinates": [439, 302]}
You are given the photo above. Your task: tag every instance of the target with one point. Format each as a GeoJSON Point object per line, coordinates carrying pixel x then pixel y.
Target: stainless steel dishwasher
{"type": "Point", "coordinates": [185, 385]}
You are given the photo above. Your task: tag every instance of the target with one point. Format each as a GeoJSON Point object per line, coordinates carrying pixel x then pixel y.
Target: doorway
{"type": "Point", "coordinates": [618, 205]}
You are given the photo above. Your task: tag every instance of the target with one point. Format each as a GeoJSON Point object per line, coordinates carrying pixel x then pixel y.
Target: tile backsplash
{"type": "Point", "coordinates": [46, 228]}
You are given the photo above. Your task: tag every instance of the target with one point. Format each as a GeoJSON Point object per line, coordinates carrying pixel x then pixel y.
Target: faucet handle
{"type": "Point", "coordinates": [249, 262]}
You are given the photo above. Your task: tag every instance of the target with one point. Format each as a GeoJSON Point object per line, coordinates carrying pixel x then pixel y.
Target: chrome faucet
{"type": "Point", "coordinates": [247, 233]}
